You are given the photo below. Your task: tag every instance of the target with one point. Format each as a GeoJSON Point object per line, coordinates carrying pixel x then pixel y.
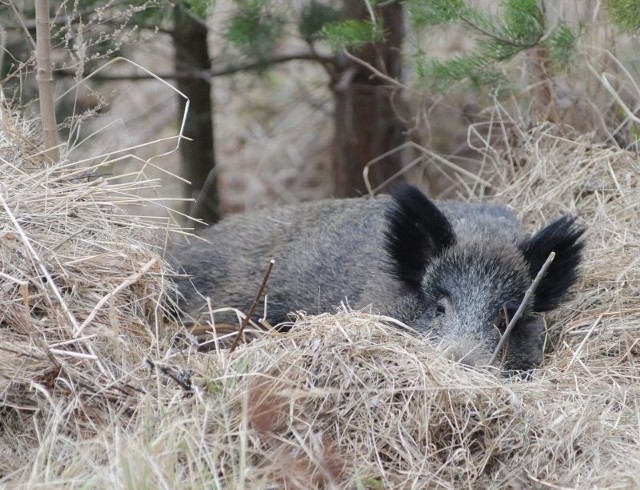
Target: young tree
{"type": "Point", "coordinates": [44, 78]}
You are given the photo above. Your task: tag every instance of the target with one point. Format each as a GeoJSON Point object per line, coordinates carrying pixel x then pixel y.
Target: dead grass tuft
{"type": "Point", "coordinates": [342, 400]}
{"type": "Point", "coordinates": [82, 294]}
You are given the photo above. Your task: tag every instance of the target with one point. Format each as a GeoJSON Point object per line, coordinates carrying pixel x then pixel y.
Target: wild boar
{"type": "Point", "coordinates": [454, 271]}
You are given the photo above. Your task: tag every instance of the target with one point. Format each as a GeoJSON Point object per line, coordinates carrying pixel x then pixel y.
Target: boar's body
{"type": "Point", "coordinates": [449, 269]}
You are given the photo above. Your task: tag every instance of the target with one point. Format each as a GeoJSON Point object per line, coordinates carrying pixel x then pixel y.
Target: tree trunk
{"type": "Point", "coordinates": [366, 121]}
{"type": "Point", "coordinates": [192, 55]}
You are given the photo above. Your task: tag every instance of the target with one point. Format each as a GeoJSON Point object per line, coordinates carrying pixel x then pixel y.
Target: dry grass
{"type": "Point", "coordinates": [342, 400]}
{"type": "Point", "coordinates": [81, 289]}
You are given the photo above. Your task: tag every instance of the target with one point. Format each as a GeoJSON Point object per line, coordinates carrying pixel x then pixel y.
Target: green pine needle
{"type": "Point", "coordinates": [314, 17]}
{"type": "Point", "coordinates": [442, 75]}
{"type": "Point", "coordinates": [254, 29]}
{"type": "Point", "coordinates": [435, 12]}
{"type": "Point", "coordinates": [352, 33]}
{"type": "Point", "coordinates": [625, 14]}
{"type": "Point", "coordinates": [562, 45]}
{"type": "Point", "coordinates": [520, 25]}
{"type": "Point", "coordinates": [524, 21]}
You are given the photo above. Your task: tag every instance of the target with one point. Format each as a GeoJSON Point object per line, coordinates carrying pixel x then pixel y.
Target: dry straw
{"type": "Point", "coordinates": [81, 290]}
{"type": "Point", "coordinates": [97, 391]}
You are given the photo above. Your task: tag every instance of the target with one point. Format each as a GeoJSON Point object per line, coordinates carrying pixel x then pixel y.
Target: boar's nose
{"type": "Point", "coordinates": [466, 351]}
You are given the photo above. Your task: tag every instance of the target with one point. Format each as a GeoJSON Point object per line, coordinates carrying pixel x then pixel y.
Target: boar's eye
{"type": "Point", "coordinates": [443, 304]}
{"type": "Point", "coordinates": [499, 321]}
{"type": "Point", "coordinates": [509, 310]}
{"type": "Point", "coordinates": [504, 316]}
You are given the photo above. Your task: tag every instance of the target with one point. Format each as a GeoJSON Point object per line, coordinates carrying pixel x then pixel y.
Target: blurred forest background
{"type": "Point", "coordinates": [299, 100]}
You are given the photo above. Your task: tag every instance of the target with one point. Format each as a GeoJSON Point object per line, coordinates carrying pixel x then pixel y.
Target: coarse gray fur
{"type": "Point", "coordinates": [474, 263]}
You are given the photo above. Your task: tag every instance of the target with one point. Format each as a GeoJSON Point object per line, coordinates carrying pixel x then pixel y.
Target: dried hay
{"type": "Point", "coordinates": [81, 292]}
{"type": "Point", "coordinates": [342, 400]}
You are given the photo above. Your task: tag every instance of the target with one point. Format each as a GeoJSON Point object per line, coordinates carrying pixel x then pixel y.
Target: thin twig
{"type": "Point", "coordinates": [213, 73]}
{"type": "Point", "coordinates": [44, 77]}
{"type": "Point", "coordinates": [609, 88]}
{"type": "Point", "coordinates": [495, 37]}
{"type": "Point", "coordinates": [426, 154]}
{"type": "Point", "coordinates": [23, 24]}
{"type": "Point", "coordinates": [523, 305]}
{"type": "Point", "coordinates": [375, 71]}
{"type": "Point", "coordinates": [584, 341]}
{"type": "Point", "coordinates": [254, 305]}
{"type": "Point", "coordinates": [76, 355]}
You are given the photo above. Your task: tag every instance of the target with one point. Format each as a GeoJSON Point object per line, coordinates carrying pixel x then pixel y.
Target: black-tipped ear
{"type": "Point", "coordinates": [416, 232]}
{"type": "Point", "coordinates": [563, 238]}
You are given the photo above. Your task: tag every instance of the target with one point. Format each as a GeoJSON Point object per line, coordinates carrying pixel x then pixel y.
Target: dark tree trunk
{"type": "Point", "coordinates": [367, 124]}
{"type": "Point", "coordinates": [192, 55]}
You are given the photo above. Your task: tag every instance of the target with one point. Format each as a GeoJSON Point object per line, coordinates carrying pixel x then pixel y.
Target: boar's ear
{"type": "Point", "coordinates": [416, 232]}
{"type": "Point", "coordinates": [563, 238]}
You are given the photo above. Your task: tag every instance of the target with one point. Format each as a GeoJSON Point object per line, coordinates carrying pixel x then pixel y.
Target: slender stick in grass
{"type": "Point", "coordinates": [254, 305]}
{"type": "Point", "coordinates": [523, 304]}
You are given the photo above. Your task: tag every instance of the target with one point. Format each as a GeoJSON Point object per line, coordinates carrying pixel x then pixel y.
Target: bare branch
{"type": "Point", "coordinates": [253, 307]}
{"type": "Point", "coordinates": [221, 72]}
{"type": "Point", "coordinates": [523, 305]}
